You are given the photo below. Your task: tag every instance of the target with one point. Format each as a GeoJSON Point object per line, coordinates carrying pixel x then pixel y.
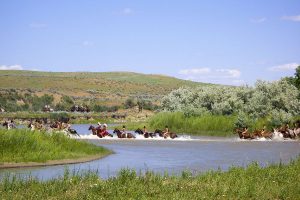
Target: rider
{"type": "Point", "coordinates": [99, 126]}
{"type": "Point", "coordinates": [104, 130]}
{"type": "Point", "coordinates": [166, 132]}
{"type": "Point", "coordinates": [145, 130]}
{"type": "Point", "coordinates": [123, 130]}
{"type": "Point", "coordinates": [12, 124]}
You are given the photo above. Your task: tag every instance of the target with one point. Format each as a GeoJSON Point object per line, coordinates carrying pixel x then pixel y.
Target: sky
{"type": "Point", "coordinates": [215, 41]}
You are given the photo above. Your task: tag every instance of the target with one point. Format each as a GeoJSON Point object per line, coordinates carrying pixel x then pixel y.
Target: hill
{"type": "Point", "coordinates": [109, 88]}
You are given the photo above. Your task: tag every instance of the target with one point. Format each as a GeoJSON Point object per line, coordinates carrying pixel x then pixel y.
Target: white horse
{"type": "Point", "coordinates": [277, 135]}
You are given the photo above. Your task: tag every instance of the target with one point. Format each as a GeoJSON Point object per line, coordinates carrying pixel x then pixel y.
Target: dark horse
{"type": "Point", "coordinates": [9, 125]}
{"type": "Point", "coordinates": [123, 135]}
{"type": "Point", "coordinates": [165, 135]}
{"type": "Point", "coordinates": [73, 132]}
{"type": "Point", "coordinates": [98, 132]}
{"type": "Point", "coordinates": [5, 124]}
{"type": "Point", "coordinates": [146, 135]}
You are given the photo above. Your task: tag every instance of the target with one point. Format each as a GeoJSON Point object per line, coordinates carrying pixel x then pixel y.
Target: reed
{"type": "Point", "coordinates": [253, 182]}
{"type": "Point", "coordinates": [214, 125]}
{"type": "Point", "coordinates": [34, 146]}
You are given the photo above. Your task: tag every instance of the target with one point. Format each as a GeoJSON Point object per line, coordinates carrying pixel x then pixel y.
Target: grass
{"type": "Point", "coordinates": [273, 182]}
{"type": "Point", "coordinates": [110, 88]}
{"type": "Point", "coordinates": [206, 125]}
{"type": "Point", "coordinates": [26, 146]}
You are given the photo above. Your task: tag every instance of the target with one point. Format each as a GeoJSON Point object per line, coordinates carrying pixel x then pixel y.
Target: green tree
{"type": "Point", "coordinates": [297, 77]}
{"type": "Point", "coordinates": [129, 103]}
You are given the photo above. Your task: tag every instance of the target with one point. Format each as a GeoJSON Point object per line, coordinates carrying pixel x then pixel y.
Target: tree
{"type": "Point", "coordinates": [129, 103]}
{"type": "Point", "coordinates": [258, 102]}
{"type": "Point", "coordinates": [141, 104]}
{"type": "Point", "coordinates": [297, 77]}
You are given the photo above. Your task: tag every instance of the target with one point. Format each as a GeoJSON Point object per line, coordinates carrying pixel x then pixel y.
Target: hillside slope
{"type": "Point", "coordinates": [107, 87]}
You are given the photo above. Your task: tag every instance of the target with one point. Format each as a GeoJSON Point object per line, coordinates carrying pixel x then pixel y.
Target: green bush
{"type": "Point", "coordinates": [258, 102]}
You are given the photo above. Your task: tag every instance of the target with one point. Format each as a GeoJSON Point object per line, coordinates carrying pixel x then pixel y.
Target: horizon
{"type": "Point", "coordinates": [219, 42]}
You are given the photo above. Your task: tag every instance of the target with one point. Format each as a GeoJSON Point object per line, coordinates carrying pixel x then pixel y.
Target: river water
{"type": "Point", "coordinates": [197, 154]}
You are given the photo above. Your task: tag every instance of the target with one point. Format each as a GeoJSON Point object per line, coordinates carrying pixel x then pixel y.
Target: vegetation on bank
{"type": "Point", "coordinates": [22, 145]}
{"type": "Point", "coordinates": [205, 125]}
{"type": "Point", "coordinates": [253, 182]}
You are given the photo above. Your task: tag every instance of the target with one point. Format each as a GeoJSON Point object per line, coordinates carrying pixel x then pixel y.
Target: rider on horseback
{"type": "Point", "coordinates": [166, 132]}
{"type": "Point", "coordinates": [123, 131]}
{"type": "Point", "coordinates": [104, 130]}
{"type": "Point", "coordinates": [145, 130]}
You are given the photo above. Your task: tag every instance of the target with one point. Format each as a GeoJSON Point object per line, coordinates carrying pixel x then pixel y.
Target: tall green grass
{"type": "Point", "coordinates": [273, 182]}
{"type": "Point", "coordinates": [205, 125]}
{"type": "Point", "coordinates": [27, 146]}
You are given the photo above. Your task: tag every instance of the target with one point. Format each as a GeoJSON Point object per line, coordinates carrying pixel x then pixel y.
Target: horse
{"type": "Point", "coordinates": [266, 134]}
{"type": "Point", "coordinates": [286, 132]}
{"type": "Point", "coordinates": [123, 135]}
{"type": "Point", "coordinates": [59, 125]}
{"type": "Point", "coordinates": [146, 135]}
{"type": "Point", "coordinates": [95, 131]}
{"type": "Point", "coordinates": [244, 134]}
{"type": "Point", "coordinates": [165, 135]}
{"type": "Point", "coordinates": [5, 124]}
{"type": "Point", "coordinates": [297, 132]}
{"type": "Point", "coordinates": [73, 132]}
{"type": "Point", "coordinates": [257, 133]}
{"type": "Point", "coordinates": [291, 134]}
{"type": "Point", "coordinates": [99, 132]}
{"type": "Point", "coordinates": [159, 132]}
{"type": "Point", "coordinates": [277, 134]}
{"type": "Point", "coordinates": [9, 125]}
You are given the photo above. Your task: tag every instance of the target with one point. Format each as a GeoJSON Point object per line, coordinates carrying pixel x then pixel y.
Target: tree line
{"type": "Point", "coordinates": [278, 101]}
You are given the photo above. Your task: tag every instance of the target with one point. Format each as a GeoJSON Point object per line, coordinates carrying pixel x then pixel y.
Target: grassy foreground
{"type": "Point", "coordinates": [273, 182]}
{"type": "Point", "coordinates": [27, 146]}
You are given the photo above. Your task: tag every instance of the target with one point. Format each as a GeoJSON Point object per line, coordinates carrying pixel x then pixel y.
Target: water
{"type": "Point", "coordinates": [197, 154]}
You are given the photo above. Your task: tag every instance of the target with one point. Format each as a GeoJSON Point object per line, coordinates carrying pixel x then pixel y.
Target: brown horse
{"type": "Point", "coordinates": [95, 131]}
{"type": "Point", "coordinates": [146, 135]}
{"type": "Point", "coordinates": [165, 135]}
{"type": "Point", "coordinates": [285, 131]}
{"type": "Point", "coordinates": [267, 134]}
{"type": "Point", "coordinates": [262, 133]}
{"type": "Point", "coordinates": [123, 135]}
{"type": "Point", "coordinates": [99, 132]}
{"type": "Point", "coordinates": [244, 134]}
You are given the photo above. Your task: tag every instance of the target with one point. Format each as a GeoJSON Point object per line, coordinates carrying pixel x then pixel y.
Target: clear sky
{"type": "Point", "coordinates": [218, 41]}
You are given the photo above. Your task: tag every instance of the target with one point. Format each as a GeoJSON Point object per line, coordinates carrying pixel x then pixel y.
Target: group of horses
{"type": "Point", "coordinates": [41, 125]}
{"type": "Point", "coordinates": [122, 134]}
{"type": "Point", "coordinates": [56, 126]}
{"type": "Point", "coordinates": [9, 124]}
{"type": "Point", "coordinates": [281, 132]}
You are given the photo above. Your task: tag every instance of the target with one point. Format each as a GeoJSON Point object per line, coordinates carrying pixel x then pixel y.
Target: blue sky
{"type": "Point", "coordinates": [226, 41]}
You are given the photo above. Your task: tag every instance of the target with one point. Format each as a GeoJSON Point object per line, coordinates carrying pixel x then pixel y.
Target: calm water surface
{"type": "Point", "coordinates": [197, 154]}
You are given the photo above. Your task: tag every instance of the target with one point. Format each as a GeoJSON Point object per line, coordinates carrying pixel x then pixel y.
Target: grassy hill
{"type": "Point", "coordinates": [110, 88]}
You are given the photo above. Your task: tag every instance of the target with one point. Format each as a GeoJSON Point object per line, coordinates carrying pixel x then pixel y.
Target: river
{"type": "Point", "coordinates": [197, 154]}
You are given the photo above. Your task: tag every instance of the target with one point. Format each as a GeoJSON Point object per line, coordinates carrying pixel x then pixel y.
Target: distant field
{"type": "Point", "coordinates": [109, 87]}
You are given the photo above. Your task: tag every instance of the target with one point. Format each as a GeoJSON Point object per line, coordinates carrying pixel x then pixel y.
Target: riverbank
{"type": "Point", "coordinates": [253, 182]}
{"type": "Point", "coordinates": [22, 148]}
